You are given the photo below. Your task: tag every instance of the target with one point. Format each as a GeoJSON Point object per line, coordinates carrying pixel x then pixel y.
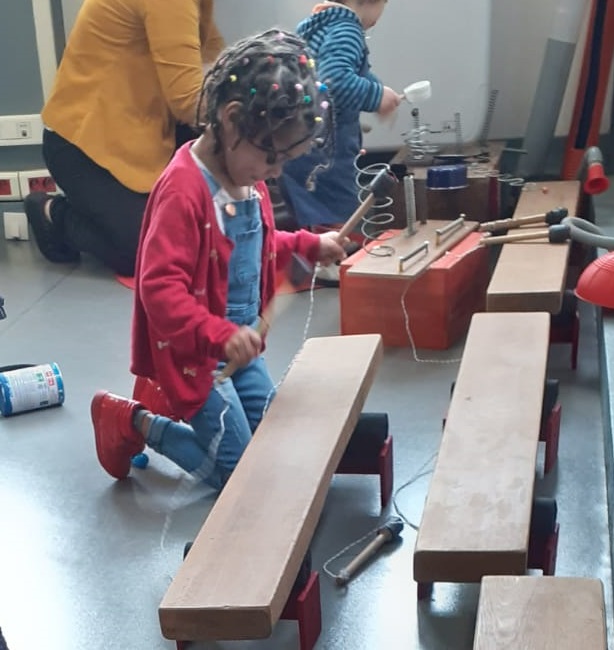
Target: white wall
{"type": "Point", "coordinates": [449, 41]}
{"type": "Point", "coordinates": [423, 47]}
{"type": "Point", "coordinates": [520, 30]}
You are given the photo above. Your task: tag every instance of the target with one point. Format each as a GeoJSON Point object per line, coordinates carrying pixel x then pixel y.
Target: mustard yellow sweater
{"type": "Point", "coordinates": [131, 69]}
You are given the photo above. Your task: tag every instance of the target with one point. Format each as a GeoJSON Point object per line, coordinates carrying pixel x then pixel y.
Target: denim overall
{"type": "Point", "coordinates": [335, 196]}
{"type": "Point", "coordinates": [219, 433]}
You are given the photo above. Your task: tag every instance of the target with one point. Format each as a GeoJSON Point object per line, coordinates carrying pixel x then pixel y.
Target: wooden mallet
{"type": "Point", "coordinates": [556, 234]}
{"type": "Point", "coordinates": [551, 218]}
{"type": "Point", "coordinates": [389, 532]}
{"type": "Point", "coordinates": [378, 188]}
{"type": "Point", "coordinates": [298, 271]}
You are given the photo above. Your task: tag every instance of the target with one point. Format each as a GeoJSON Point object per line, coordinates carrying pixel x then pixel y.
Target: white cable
{"type": "Point", "coordinates": [418, 475]}
{"type": "Point", "coordinates": [344, 550]}
{"type": "Point", "coordinates": [305, 333]}
{"type": "Point", "coordinates": [406, 318]}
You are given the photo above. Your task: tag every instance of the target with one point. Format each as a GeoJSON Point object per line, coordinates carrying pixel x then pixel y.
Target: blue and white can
{"type": "Point", "coordinates": [27, 389]}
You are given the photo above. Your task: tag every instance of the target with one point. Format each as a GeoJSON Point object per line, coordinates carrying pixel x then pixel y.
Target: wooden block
{"type": "Point", "coordinates": [545, 612]}
{"type": "Point", "coordinates": [531, 276]}
{"type": "Point", "coordinates": [402, 244]}
{"type": "Point", "coordinates": [236, 579]}
{"type": "Point", "coordinates": [439, 303]}
{"type": "Point", "coordinates": [477, 514]}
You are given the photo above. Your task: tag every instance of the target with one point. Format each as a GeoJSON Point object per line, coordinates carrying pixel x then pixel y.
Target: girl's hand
{"type": "Point", "coordinates": [331, 250]}
{"type": "Point", "coordinates": [243, 346]}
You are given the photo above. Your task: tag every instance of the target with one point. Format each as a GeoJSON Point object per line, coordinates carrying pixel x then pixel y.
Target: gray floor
{"type": "Point", "coordinates": [85, 560]}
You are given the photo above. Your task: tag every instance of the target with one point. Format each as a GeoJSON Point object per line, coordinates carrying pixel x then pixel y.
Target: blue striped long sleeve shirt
{"type": "Point", "coordinates": [336, 38]}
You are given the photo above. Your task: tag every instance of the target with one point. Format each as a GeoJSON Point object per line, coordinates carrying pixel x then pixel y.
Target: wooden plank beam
{"type": "Point", "coordinates": [531, 276]}
{"type": "Point", "coordinates": [241, 568]}
{"type": "Point", "coordinates": [546, 612]}
{"type": "Point", "coordinates": [477, 513]}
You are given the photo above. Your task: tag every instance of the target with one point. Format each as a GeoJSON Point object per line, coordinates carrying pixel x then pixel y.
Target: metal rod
{"type": "Point", "coordinates": [410, 203]}
{"type": "Point", "coordinates": [424, 246]}
{"type": "Point", "coordinates": [446, 231]}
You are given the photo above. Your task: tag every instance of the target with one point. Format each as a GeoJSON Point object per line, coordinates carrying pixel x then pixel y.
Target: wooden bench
{"type": "Point", "coordinates": [540, 612]}
{"type": "Point", "coordinates": [476, 519]}
{"type": "Point", "coordinates": [237, 577]}
{"type": "Point", "coordinates": [531, 276]}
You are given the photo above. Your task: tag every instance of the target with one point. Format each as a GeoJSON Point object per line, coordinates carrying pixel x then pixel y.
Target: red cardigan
{"type": "Point", "coordinates": [179, 327]}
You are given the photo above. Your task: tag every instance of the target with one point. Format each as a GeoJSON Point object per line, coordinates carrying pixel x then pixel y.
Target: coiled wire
{"type": "Point", "coordinates": [379, 218]}
{"type": "Point", "coordinates": [417, 140]}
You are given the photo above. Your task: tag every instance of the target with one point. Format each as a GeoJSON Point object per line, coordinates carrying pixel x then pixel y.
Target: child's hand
{"type": "Point", "coordinates": [243, 346]}
{"type": "Point", "coordinates": [331, 249]}
{"type": "Point", "coordinates": [390, 102]}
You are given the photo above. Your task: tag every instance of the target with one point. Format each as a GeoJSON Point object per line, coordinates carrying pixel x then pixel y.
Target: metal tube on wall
{"type": "Point", "coordinates": [551, 85]}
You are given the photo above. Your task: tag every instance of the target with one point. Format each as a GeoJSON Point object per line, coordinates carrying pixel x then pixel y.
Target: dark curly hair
{"type": "Point", "coordinates": [273, 77]}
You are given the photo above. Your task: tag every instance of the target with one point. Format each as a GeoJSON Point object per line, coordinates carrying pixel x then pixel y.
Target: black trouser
{"type": "Point", "coordinates": [99, 215]}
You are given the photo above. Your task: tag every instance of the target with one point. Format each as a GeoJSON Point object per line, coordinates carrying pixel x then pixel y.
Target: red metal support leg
{"type": "Point", "coordinates": [568, 332]}
{"type": "Point", "coordinates": [386, 472]}
{"type": "Point", "coordinates": [551, 436]}
{"type": "Point", "coordinates": [575, 340]}
{"type": "Point", "coordinates": [382, 464]}
{"type": "Point", "coordinates": [543, 552]}
{"type": "Point", "coordinates": [304, 606]}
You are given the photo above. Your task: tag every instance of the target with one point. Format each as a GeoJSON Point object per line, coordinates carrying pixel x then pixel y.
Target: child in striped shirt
{"type": "Point", "coordinates": [335, 34]}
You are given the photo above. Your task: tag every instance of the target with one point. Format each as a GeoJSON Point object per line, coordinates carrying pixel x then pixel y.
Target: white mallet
{"type": "Point", "coordinates": [417, 92]}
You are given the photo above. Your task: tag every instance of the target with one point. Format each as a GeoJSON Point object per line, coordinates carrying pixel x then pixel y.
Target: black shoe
{"type": "Point", "coordinates": [47, 235]}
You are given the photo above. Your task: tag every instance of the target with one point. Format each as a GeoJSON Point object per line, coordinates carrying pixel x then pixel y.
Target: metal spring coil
{"type": "Point", "coordinates": [481, 171]}
{"type": "Point", "coordinates": [378, 219]}
{"type": "Point", "coordinates": [490, 111]}
{"type": "Point", "coordinates": [506, 189]}
{"type": "Point", "coordinates": [417, 142]}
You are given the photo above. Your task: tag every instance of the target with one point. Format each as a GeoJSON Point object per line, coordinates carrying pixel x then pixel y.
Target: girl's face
{"type": "Point", "coordinates": [249, 161]}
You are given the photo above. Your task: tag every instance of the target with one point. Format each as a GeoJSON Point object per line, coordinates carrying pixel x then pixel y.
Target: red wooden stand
{"type": "Point", "coordinates": [382, 465]}
{"type": "Point", "coordinates": [303, 606]}
{"type": "Point", "coordinates": [550, 435]}
{"type": "Point", "coordinates": [439, 303]}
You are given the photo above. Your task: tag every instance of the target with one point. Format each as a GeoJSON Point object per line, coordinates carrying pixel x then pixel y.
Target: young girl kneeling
{"type": "Point", "coordinates": [207, 260]}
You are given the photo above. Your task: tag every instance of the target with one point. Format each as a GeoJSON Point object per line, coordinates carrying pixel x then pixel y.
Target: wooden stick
{"type": "Point", "coordinates": [519, 236]}
{"type": "Point", "coordinates": [262, 328]}
{"type": "Point", "coordinates": [547, 218]}
{"type": "Point", "coordinates": [345, 575]}
{"type": "Point", "coordinates": [506, 224]}
{"type": "Point", "coordinates": [354, 220]}
{"type": "Point", "coordinates": [390, 531]}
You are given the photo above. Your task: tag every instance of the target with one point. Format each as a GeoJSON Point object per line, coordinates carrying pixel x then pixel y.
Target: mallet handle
{"type": "Point", "coordinates": [354, 220]}
{"type": "Point", "coordinates": [345, 575]}
{"type": "Point", "coordinates": [519, 236]}
{"type": "Point", "coordinates": [507, 224]}
{"type": "Point", "coordinates": [262, 328]}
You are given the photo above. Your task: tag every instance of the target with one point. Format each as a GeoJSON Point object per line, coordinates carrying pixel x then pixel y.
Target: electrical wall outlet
{"type": "Point", "coordinates": [37, 180]}
{"type": "Point", "coordinates": [10, 189]}
{"type": "Point", "coordinates": [16, 226]}
{"type": "Point", "coordinates": [20, 130]}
